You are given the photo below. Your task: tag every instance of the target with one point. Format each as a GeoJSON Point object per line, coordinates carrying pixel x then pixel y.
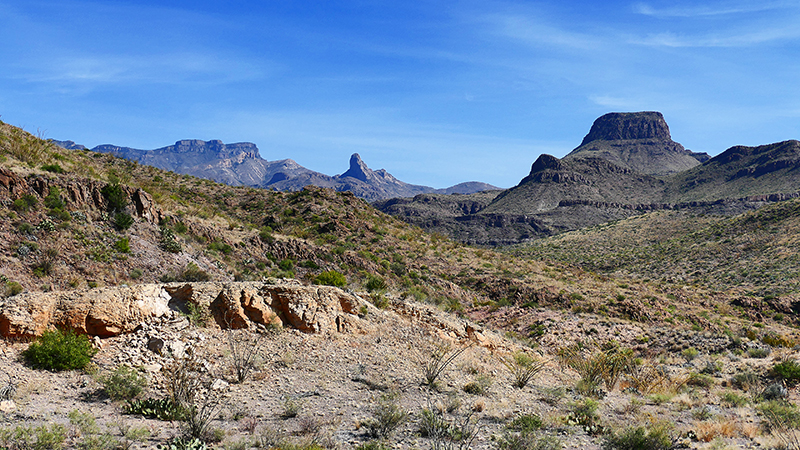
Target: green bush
{"type": "Point", "coordinates": [42, 437]}
{"type": "Point", "coordinates": [527, 441]}
{"type": "Point", "coordinates": [59, 350]}
{"type": "Point", "coordinates": [657, 437]}
{"type": "Point", "coordinates": [787, 370]}
{"type": "Point", "coordinates": [54, 168]}
{"type": "Point", "coordinates": [124, 383]}
{"type": "Point", "coordinates": [123, 245]}
{"type": "Point", "coordinates": [525, 423]}
{"type": "Point", "coordinates": [53, 199]}
{"type": "Point", "coordinates": [123, 220]}
{"type": "Point", "coordinates": [331, 278]}
{"type": "Point", "coordinates": [115, 196]}
{"type": "Point", "coordinates": [24, 203]}
{"type": "Point", "coordinates": [386, 418]}
{"type": "Point", "coordinates": [220, 247]}
{"type": "Point", "coordinates": [375, 283]}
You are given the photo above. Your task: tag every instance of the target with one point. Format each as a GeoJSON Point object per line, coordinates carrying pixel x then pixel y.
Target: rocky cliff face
{"type": "Point", "coordinates": [624, 126]}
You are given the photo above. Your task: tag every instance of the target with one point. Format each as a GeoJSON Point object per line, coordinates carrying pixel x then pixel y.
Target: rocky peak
{"type": "Point", "coordinates": [544, 162]}
{"type": "Point", "coordinates": [358, 169]}
{"type": "Point", "coordinates": [624, 126]}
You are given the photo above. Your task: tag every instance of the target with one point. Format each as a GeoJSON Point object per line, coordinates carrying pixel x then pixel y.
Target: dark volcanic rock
{"type": "Point", "coordinates": [619, 126]}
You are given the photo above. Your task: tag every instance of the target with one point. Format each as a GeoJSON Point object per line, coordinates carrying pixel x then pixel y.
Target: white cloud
{"type": "Point", "coordinates": [724, 8]}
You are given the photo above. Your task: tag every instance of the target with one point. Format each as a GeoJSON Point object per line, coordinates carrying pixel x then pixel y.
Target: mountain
{"type": "Point", "coordinates": [359, 179]}
{"type": "Point", "coordinates": [638, 141]}
{"type": "Point", "coordinates": [234, 164]}
{"type": "Point", "coordinates": [626, 165]}
{"type": "Point", "coordinates": [741, 172]}
{"type": "Point", "coordinates": [240, 164]}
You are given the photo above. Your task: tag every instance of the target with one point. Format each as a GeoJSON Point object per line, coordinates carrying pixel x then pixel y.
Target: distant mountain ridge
{"type": "Point", "coordinates": [626, 164]}
{"type": "Point", "coordinates": [241, 164]}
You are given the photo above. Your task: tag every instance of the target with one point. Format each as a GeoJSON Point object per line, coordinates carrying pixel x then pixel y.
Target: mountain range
{"type": "Point", "coordinates": [240, 164]}
{"type": "Point", "coordinates": [627, 164]}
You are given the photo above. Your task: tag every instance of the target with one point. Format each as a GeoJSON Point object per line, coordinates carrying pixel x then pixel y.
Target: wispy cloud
{"type": "Point", "coordinates": [725, 8]}
{"type": "Point", "coordinates": [729, 39]}
{"type": "Point", "coordinates": [530, 30]}
{"type": "Point", "coordinates": [155, 68]}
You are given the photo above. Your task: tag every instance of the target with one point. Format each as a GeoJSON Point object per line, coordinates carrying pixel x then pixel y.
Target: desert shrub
{"type": "Point", "coordinates": [190, 273]}
{"type": "Point", "coordinates": [123, 220]}
{"type": "Point", "coordinates": [291, 408]}
{"type": "Point", "coordinates": [13, 288]}
{"type": "Point", "coordinates": [46, 262]}
{"type": "Point", "coordinates": [787, 370]}
{"type": "Point", "coordinates": [746, 381]}
{"type": "Point", "coordinates": [42, 437]}
{"type": "Point", "coordinates": [53, 199]}
{"type": "Point", "coordinates": [733, 399]}
{"type": "Point", "coordinates": [221, 247]}
{"type": "Point", "coordinates": [386, 418]}
{"type": "Point", "coordinates": [648, 377]}
{"type": "Point", "coordinates": [435, 362]}
{"type": "Point", "coordinates": [123, 245]}
{"type": "Point", "coordinates": [373, 445]}
{"type": "Point", "coordinates": [690, 353]}
{"type": "Point", "coordinates": [700, 380]}
{"type": "Point", "coordinates": [124, 383]}
{"type": "Point", "coordinates": [286, 265]}
{"type": "Point", "coordinates": [527, 441]}
{"type": "Point", "coordinates": [379, 300]}
{"type": "Point", "coordinates": [190, 389]}
{"type": "Point", "coordinates": [656, 437]}
{"type": "Point", "coordinates": [183, 443]}
{"type": "Point", "coordinates": [522, 367]}
{"type": "Point", "coordinates": [375, 283]}
{"type": "Point", "coordinates": [24, 203]}
{"type": "Point", "coordinates": [115, 196]}
{"type": "Point", "coordinates": [778, 415]}
{"type": "Point", "coordinates": [758, 352]}
{"type": "Point", "coordinates": [136, 273]}
{"type": "Point", "coordinates": [331, 278]}
{"type": "Point", "coordinates": [59, 350]}
{"type": "Point", "coordinates": [479, 386]}
{"type": "Point", "coordinates": [605, 365]}
{"type": "Point", "coordinates": [525, 423]}
{"type": "Point", "coordinates": [446, 430]}
{"type": "Point", "coordinates": [774, 391]}
{"type": "Point", "coordinates": [53, 168]}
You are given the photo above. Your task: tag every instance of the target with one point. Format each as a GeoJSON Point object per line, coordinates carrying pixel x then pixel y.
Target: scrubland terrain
{"type": "Point", "coordinates": [642, 333]}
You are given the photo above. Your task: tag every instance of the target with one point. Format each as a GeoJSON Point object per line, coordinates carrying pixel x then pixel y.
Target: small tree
{"type": "Point", "coordinates": [59, 350]}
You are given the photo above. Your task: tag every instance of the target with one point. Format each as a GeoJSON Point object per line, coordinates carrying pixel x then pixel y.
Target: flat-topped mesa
{"type": "Point", "coordinates": [216, 147]}
{"type": "Point", "coordinates": [625, 126]}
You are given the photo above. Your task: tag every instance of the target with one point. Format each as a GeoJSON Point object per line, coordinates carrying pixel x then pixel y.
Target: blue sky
{"type": "Point", "coordinates": [435, 92]}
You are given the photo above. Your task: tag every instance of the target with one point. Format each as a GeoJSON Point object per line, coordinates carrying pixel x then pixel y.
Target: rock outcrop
{"type": "Point", "coordinates": [625, 126]}
{"type": "Point", "coordinates": [112, 311]}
